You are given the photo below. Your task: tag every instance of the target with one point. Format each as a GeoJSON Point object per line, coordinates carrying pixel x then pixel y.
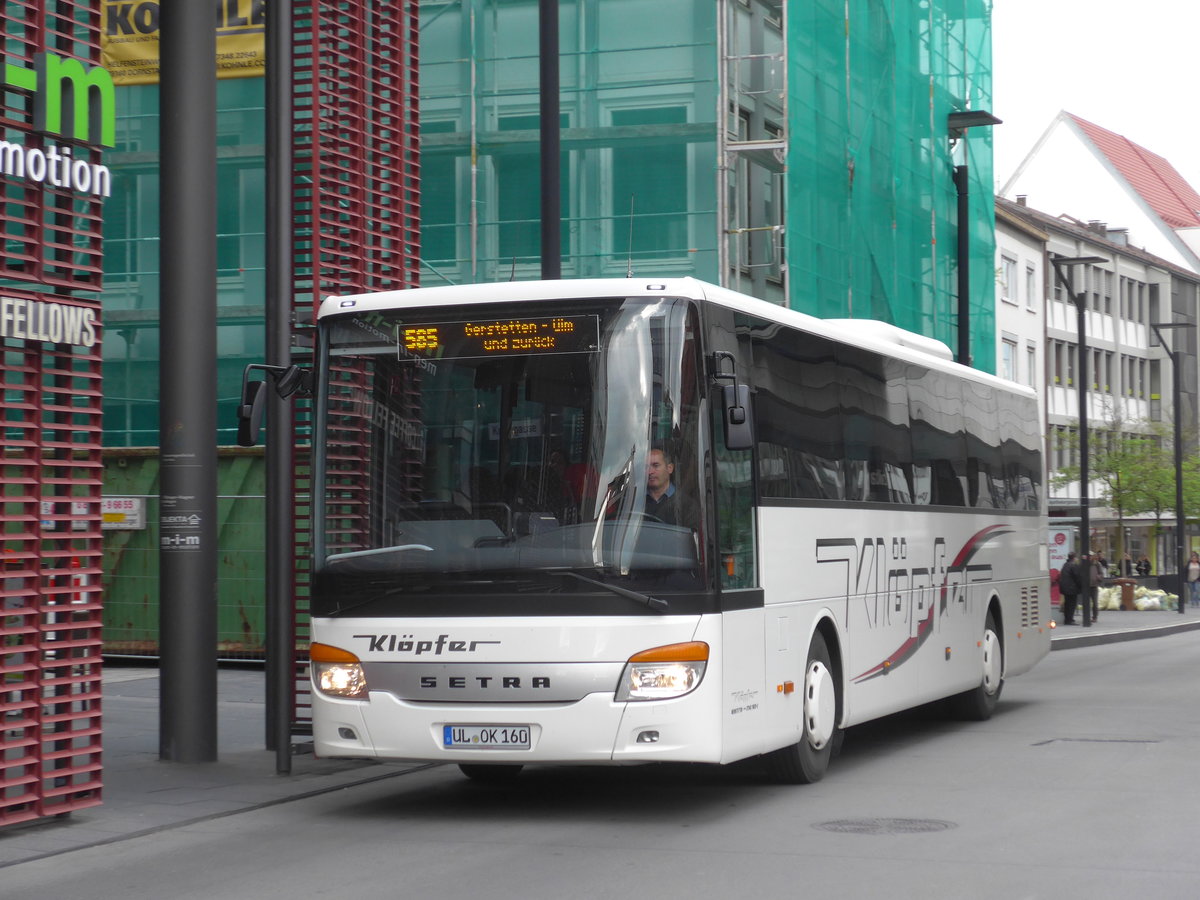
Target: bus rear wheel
{"type": "Point", "coordinates": [807, 760]}
{"type": "Point", "coordinates": [978, 703]}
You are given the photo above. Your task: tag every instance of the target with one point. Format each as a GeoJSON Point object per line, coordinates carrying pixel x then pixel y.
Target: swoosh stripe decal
{"type": "Point", "coordinates": [912, 644]}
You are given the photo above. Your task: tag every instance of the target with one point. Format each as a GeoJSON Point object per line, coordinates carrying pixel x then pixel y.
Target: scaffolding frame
{"type": "Point", "coordinates": [752, 141]}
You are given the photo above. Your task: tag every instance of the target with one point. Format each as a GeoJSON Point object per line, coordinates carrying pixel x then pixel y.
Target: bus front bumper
{"type": "Point", "coordinates": [595, 729]}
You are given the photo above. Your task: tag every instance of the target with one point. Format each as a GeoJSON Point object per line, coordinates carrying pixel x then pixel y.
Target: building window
{"type": "Point", "coordinates": [1031, 374]}
{"type": "Point", "coordinates": [1008, 359]}
{"type": "Point", "coordinates": [1031, 291]}
{"type": "Point", "coordinates": [518, 199]}
{"type": "Point", "coordinates": [439, 212]}
{"type": "Point", "coordinates": [1008, 279]}
{"type": "Point", "coordinates": [654, 178]}
{"type": "Point", "coordinates": [1064, 450]}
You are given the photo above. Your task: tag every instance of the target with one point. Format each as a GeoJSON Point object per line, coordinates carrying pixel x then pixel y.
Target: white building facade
{"type": "Point", "coordinates": [1129, 376]}
{"type": "Point", "coordinates": [1021, 302]}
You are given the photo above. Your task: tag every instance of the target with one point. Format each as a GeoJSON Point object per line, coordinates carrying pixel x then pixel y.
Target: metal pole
{"type": "Point", "coordinates": [1181, 551]}
{"type": "Point", "coordinates": [280, 525]}
{"type": "Point", "coordinates": [187, 386]}
{"type": "Point", "coordinates": [1180, 519]}
{"type": "Point", "coordinates": [551, 212]}
{"type": "Point", "coordinates": [1085, 528]}
{"type": "Point", "coordinates": [962, 183]}
{"type": "Point", "coordinates": [1084, 473]}
{"type": "Point", "coordinates": [1060, 263]}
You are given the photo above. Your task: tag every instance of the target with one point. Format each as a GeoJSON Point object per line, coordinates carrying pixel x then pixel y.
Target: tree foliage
{"type": "Point", "coordinates": [1134, 468]}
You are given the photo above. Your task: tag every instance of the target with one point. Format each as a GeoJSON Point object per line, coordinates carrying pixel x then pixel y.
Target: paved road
{"type": "Point", "coordinates": [1084, 784]}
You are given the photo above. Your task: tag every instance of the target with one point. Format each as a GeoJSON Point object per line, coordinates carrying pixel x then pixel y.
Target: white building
{"type": "Point", "coordinates": [1093, 174]}
{"type": "Point", "coordinates": [1021, 301]}
{"type": "Point", "coordinates": [1129, 375]}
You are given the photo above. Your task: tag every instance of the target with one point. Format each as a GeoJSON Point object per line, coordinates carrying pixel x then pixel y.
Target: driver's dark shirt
{"type": "Point", "coordinates": [671, 508]}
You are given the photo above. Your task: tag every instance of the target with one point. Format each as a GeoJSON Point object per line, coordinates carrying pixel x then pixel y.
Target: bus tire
{"type": "Point", "coordinates": [978, 704]}
{"type": "Point", "coordinates": [490, 774]}
{"type": "Point", "coordinates": [807, 760]}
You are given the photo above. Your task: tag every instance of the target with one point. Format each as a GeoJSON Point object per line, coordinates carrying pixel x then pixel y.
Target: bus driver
{"type": "Point", "coordinates": [663, 500]}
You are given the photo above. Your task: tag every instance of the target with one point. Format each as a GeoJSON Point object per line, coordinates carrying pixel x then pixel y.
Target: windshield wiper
{"type": "Point", "coordinates": [644, 599]}
{"type": "Point", "coordinates": [377, 551]}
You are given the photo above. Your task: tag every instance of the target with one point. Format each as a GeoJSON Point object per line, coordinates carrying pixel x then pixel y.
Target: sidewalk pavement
{"type": "Point", "coordinates": [1113, 625]}
{"type": "Point", "coordinates": [142, 794]}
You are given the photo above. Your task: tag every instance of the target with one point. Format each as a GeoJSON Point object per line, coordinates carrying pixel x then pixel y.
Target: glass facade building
{"type": "Point", "coordinates": [131, 257]}
{"type": "Point", "coordinates": [800, 154]}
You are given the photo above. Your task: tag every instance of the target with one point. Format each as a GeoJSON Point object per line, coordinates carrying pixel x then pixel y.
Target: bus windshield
{"type": "Point", "coordinates": [515, 447]}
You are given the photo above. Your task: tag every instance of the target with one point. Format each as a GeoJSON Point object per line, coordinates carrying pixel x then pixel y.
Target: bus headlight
{"type": "Point", "coordinates": [337, 672]}
{"type": "Point", "coordinates": [662, 673]}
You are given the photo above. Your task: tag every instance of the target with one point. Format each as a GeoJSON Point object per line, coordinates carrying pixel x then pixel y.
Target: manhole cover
{"type": "Point", "coordinates": [885, 826]}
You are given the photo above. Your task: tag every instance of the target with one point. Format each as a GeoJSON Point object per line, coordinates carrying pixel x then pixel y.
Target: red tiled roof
{"type": "Point", "coordinates": [1152, 177]}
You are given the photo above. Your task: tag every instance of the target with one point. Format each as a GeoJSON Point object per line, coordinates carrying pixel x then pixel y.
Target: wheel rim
{"type": "Point", "coordinates": [991, 662]}
{"type": "Point", "coordinates": [820, 704]}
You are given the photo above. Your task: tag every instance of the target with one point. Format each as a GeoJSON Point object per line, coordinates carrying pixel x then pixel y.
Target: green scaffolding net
{"type": "Point", "coordinates": [872, 222]}
{"type": "Point", "coordinates": [799, 153]}
{"type": "Point", "coordinates": [638, 109]}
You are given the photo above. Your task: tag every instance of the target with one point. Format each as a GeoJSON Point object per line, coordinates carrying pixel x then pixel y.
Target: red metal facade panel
{"type": "Point", "coordinates": [356, 152]}
{"type": "Point", "coordinates": [50, 705]}
{"type": "Point", "coordinates": [50, 474]}
{"type": "Point", "coordinates": [357, 206]}
{"type": "Point", "coordinates": [51, 233]}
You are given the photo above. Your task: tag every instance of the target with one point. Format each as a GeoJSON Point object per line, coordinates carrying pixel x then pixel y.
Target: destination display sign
{"type": "Point", "coordinates": [500, 337]}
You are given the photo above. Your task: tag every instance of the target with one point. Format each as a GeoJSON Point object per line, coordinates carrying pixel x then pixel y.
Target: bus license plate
{"type": "Point", "coordinates": [485, 737]}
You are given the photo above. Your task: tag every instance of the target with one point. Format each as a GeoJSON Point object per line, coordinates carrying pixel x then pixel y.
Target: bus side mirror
{"type": "Point", "coordinates": [249, 413]}
{"type": "Point", "coordinates": [289, 380]}
{"type": "Point", "coordinates": [739, 417]}
{"type": "Point", "coordinates": [735, 401]}
{"type": "Point", "coordinates": [293, 379]}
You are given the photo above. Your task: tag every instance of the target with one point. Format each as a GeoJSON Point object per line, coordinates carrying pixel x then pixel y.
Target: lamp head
{"type": "Point", "coordinates": [961, 120]}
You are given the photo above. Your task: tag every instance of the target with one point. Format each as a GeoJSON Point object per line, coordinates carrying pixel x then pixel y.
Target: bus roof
{"type": "Point", "coordinates": [872, 334]}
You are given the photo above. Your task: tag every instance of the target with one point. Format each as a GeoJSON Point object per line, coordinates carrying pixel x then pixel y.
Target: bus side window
{"type": "Point", "coordinates": [737, 555]}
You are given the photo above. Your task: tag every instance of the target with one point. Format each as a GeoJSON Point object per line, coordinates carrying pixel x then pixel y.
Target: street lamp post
{"type": "Point", "coordinates": [1062, 271]}
{"type": "Point", "coordinates": [550, 140]}
{"type": "Point", "coordinates": [958, 122]}
{"type": "Point", "coordinates": [1176, 397]}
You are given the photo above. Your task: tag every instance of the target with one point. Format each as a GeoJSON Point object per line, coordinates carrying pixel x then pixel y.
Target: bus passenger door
{"type": "Point", "coordinates": [743, 692]}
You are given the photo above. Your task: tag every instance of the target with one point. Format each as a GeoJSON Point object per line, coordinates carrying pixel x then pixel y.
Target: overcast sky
{"type": "Point", "coordinates": [1130, 67]}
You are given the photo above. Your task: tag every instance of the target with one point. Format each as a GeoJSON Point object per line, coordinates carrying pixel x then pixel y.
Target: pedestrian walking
{"type": "Point", "coordinates": [1193, 579]}
{"type": "Point", "coordinates": [1098, 573]}
{"type": "Point", "coordinates": [1143, 565]}
{"type": "Point", "coordinates": [1069, 585]}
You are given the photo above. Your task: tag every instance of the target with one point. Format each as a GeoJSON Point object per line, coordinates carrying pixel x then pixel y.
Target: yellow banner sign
{"type": "Point", "coordinates": [130, 47]}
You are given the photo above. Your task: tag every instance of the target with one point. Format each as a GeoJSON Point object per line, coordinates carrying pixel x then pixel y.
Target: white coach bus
{"type": "Point", "coordinates": [625, 521]}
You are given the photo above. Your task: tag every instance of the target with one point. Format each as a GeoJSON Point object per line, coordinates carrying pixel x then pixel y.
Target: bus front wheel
{"type": "Point", "coordinates": [807, 760]}
{"type": "Point", "coordinates": [978, 703]}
